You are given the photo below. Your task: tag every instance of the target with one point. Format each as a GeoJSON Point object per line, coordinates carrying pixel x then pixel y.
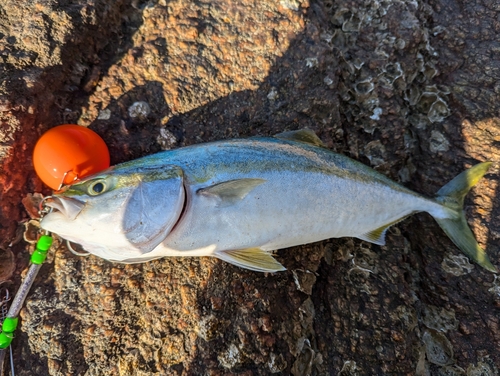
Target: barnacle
{"type": "Point", "coordinates": [429, 71]}
{"type": "Point", "coordinates": [353, 24]}
{"type": "Point", "coordinates": [304, 280]}
{"type": "Point", "coordinates": [400, 44]}
{"type": "Point", "coordinates": [273, 94]}
{"type": "Point", "coordinates": [277, 363]}
{"type": "Point", "coordinates": [209, 328]}
{"type": "Point", "coordinates": [290, 4]}
{"type": "Point", "coordinates": [495, 288]}
{"type": "Point", "coordinates": [139, 110]}
{"type": "Point", "coordinates": [438, 143]}
{"type": "Point", "coordinates": [425, 101]}
{"type": "Point", "coordinates": [340, 16]}
{"type": "Point", "coordinates": [412, 94]}
{"type": "Point", "coordinates": [393, 71]}
{"type": "Point", "coordinates": [104, 114]}
{"type": "Point", "coordinates": [375, 152]}
{"type": "Point", "coordinates": [231, 357]}
{"type": "Point", "coordinates": [166, 139]}
{"type": "Point", "coordinates": [377, 111]}
{"type": "Point", "coordinates": [438, 111]}
{"type": "Point", "coordinates": [419, 121]}
{"type": "Point", "coordinates": [31, 231]}
{"type": "Point", "coordinates": [438, 318]}
{"type": "Point", "coordinates": [457, 265]}
{"type": "Point", "coordinates": [407, 316]}
{"type": "Point", "coordinates": [364, 87]}
{"type": "Point", "coordinates": [453, 370]}
{"type": "Point", "coordinates": [437, 348]}
{"type": "Point", "coordinates": [349, 368]}
{"type": "Point", "coordinates": [339, 39]}
{"type": "Point", "coordinates": [305, 359]}
{"type": "Point", "coordinates": [486, 367]}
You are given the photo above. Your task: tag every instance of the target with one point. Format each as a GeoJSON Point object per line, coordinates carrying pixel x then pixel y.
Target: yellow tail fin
{"type": "Point", "coordinates": [452, 196]}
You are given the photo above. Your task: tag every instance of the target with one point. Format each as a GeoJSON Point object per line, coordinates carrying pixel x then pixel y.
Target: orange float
{"type": "Point", "coordinates": [67, 153]}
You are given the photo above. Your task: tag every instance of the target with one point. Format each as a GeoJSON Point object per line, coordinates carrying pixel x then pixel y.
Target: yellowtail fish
{"type": "Point", "coordinates": [239, 200]}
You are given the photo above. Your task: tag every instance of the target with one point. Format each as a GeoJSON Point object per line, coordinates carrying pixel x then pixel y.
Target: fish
{"type": "Point", "coordinates": [239, 200]}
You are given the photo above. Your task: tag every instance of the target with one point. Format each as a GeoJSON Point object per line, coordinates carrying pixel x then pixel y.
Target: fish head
{"type": "Point", "coordinates": [121, 213]}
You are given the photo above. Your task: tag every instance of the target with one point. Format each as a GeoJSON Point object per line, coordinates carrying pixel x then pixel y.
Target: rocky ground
{"type": "Point", "coordinates": [411, 88]}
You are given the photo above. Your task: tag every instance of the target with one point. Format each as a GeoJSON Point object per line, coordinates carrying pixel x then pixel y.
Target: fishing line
{"type": "Point", "coordinates": [4, 299]}
{"type": "Point", "coordinates": [11, 320]}
{"type": "Point", "coordinates": [10, 316]}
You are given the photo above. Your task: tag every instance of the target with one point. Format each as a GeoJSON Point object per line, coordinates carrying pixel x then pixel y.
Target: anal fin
{"type": "Point", "coordinates": [252, 258]}
{"type": "Point", "coordinates": [377, 236]}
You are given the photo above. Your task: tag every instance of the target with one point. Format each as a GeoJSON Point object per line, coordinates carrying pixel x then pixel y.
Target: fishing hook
{"type": "Point", "coordinates": [75, 252]}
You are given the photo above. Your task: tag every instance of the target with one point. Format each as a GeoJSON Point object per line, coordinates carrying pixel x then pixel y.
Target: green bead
{"type": "Point", "coordinates": [38, 257]}
{"type": "Point", "coordinates": [5, 340]}
{"type": "Point", "coordinates": [44, 243]}
{"type": "Point", "coordinates": [10, 324]}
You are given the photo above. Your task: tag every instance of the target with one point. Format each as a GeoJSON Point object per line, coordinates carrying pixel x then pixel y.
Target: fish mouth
{"type": "Point", "coordinates": [69, 207]}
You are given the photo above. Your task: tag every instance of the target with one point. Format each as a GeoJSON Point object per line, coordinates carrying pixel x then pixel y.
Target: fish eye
{"type": "Point", "coordinates": [97, 188]}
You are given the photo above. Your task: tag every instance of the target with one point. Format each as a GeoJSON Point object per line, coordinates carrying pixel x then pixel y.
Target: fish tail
{"type": "Point", "coordinates": [451, 196]}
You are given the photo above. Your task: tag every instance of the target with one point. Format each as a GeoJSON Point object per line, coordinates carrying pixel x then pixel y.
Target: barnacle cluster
{"type": "Point", "coordinates": [437, 353]}
{"type": "Point", "coordinates": [437, 322]}
{"type": "Point", "coordinates": [388, 73]}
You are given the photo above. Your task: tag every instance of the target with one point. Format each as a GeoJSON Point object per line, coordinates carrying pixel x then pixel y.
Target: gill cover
{"type": "Point", "coordinates": [154, 206]}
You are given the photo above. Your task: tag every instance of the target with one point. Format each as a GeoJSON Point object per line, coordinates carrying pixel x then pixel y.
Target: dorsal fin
{"type": "Point", "coordinates": [304, 135]}
{"type": "Point", "coordinates": [231, 191]}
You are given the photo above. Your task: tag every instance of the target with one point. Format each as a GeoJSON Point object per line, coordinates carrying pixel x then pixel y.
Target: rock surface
{"type": "Point", "coordinates": [409, 87]}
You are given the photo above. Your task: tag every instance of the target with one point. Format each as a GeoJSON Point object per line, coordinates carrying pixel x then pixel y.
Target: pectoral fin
{"type": "Point", "coordinates": [305, 135]}
{"type": "Point", "coordinates": [231, 191]}
{"type": "Point", "coordinates": [252, 258]}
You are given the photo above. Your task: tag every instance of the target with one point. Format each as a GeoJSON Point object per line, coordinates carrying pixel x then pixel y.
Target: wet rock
{"type": "Point", "coordinates": [7, 264]}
